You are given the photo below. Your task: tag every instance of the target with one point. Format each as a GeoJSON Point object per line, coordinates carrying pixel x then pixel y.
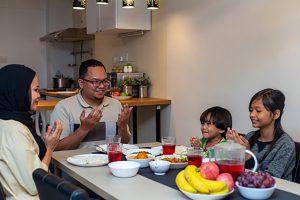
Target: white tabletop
{"type": "Point", "coordinates": [103, 183]}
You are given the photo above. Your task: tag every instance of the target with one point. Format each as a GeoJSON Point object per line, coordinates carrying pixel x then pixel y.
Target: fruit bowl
{"type": "Point", "coordinates": [122, 97]}
{"type": "Point", "coordinates": [255, 193]}
{"type": "Point", "coordinates": [197, 196]}
{"type": "Point", "coordinates": [256, 185]}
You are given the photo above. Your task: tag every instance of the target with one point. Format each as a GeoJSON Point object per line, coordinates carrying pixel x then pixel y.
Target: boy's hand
{"type": "Point", "coordinates": [195, 142]}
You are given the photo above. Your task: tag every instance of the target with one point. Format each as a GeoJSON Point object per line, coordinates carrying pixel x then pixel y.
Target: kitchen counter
{"type": "Point", "coordinates": [58, 94]}
{"type": "Point", "coordinates": [44, 105]}
{"type": "Point", "coordinates": [50, 104]}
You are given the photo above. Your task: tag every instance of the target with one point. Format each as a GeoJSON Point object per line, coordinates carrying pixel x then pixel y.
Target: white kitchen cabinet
{"type": "Point", "coordinates": [114, 17]}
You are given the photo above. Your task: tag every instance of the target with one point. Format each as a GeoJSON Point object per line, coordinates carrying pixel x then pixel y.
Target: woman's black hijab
{"type": "Point", "coordinates": [15, 98]}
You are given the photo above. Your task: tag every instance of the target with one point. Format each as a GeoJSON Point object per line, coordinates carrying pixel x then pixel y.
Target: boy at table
{"type": "Point", "coordinates": [89, 117]}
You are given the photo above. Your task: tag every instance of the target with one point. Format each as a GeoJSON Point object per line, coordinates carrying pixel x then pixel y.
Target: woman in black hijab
{"type": "Point", "coordinates": [21, 149]}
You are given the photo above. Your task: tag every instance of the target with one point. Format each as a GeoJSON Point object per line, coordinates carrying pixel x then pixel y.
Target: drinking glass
{"type": "Point", "coordinates": [114, 148]}
{"type": "Point", "coordinates": [195, 156]}
{"type": "Point", "coordinates": [168, 145]}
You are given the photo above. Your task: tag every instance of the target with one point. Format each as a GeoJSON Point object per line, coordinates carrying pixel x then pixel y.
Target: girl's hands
{"type": "Point", "coordinates": [51, 137]}
{"type": "Point", "coordinates": [232, 134]}
{"type": "Point", "coordinates": [195, 142]}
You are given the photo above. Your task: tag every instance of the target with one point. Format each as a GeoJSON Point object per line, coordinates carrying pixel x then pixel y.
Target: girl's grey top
{"type": "Point", "coordinates": [280, 161]}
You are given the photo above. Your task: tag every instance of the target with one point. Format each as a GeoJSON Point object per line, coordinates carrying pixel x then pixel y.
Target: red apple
{"type": "Point", "coordinates": [116, 93]}
{"type": "Point", "coordinates": [209, 170]}
{"type": "Point", "coordinates": [226, 178]}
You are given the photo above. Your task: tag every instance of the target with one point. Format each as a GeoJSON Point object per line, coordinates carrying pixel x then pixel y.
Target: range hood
{"type": "Point", "coordinates": [68, 35]}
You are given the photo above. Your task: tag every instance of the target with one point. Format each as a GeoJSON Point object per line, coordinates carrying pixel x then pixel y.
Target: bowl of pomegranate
{"type": "Point", "coordinates": [256, 185]}
{"type": "Point", "coordinates": [142, 157]}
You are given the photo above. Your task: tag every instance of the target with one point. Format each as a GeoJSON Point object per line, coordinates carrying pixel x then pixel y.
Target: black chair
{"type": "Point", "coordinates": [52, 187]}
{"type": "Point", "coordinates": [2, 195]}
{"type": "Point", "coordinates": [296, 171]}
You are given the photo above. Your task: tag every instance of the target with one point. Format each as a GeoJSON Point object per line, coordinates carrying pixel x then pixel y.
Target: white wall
{"type": "Point", "coordinates": [59, 16]}
{"type": "Point", "coordinates": [204, 53]}
{"type": "Point", "coordinates": [222, 52]}
{"type": "Point", "coordinates": [21, 25]}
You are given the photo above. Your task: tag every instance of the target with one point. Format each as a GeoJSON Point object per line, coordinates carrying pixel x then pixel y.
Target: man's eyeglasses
{"type": "Point", "coordinates": [96, 82]}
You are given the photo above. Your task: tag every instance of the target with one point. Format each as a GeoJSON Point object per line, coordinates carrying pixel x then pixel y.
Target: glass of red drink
{"type": "Point", "coordinates": [114, 148]}
{"type": "Point", "coordinates": [114, 151]}
{"type": "Point", "coordinates": [168, 145]}
{"type": "Point", "coordinates": [195, 156]}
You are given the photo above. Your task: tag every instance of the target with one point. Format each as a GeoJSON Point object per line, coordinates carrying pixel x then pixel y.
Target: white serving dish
{"type": "Point", "coordinates": [143, 162]}
{"type": "Point", "coordinates": [197, 196]}
{"type": "Point", "coordinates": [124, 169]}
{"type": "Point", "coordinates": [255, 193]}
{"type": "Point", "coordinates": [125, 147]}
{"type": "Point", "coordinates": [88, 160]}
{"type": "Point", "coordinates": [173, 165]}
{"type": "Point", "coordinates": [159, 167]}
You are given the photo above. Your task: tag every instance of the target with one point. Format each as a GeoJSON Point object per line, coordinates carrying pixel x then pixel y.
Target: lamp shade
{"type": "Point", "coordinates": [152, 4]}
{"type": "Point", "coordinates": [79, 4]}
{"type": "Point", "coordinates": [128, 3]}
{"type": "Point", "coordinates": [102, 2]}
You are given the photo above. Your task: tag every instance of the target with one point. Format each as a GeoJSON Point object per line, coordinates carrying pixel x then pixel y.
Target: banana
{"type": "Point", "coordinates": [182, 183]}
{"type": "Point", "coordinates": [213, 186]}
{"type": "Point", "coordinates": [192, 176]}
{"type": "Point", "coordinates": [224, 191]}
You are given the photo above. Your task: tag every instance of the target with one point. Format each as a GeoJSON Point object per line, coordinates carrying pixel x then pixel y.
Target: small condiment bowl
{"type": "Point", "coordinates": [159, 167]}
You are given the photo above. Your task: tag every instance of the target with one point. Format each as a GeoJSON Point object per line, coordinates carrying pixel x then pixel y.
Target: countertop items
{"type": "Point", "coordinates": [49, 104]}
{"type": "Point", "coordinates": [58, 93]}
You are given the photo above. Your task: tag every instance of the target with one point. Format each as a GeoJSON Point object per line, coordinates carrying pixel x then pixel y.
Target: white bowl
{"type": "Point", "coordinates": [159, 167]}
{"type": "Point", "coordinates": [255, 193]}
{"type": "Point", "coordinates": [124, 168]}
{"type": "Point", "coordinates": [198, 196]}
{"type": "Point", "coordinates": [142, 162]}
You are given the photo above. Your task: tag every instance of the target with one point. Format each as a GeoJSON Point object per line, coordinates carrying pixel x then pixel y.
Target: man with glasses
{"type": "Point", "coordinates": [89, 117]}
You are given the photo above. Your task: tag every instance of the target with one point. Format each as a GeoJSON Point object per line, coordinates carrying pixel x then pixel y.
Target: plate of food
{"type": "Point", "coordinates": [177, 161]}
{"type": "Point", "coordinates": [88, 160]}
{"type": "Point", "coordinates": [142, 157]}
{"type": "Point", "coordinates": [125, 147]}
{"type": "Point", "coordinates": [154, 152]}
{"type": "Point", "coordinates": [122, 97]}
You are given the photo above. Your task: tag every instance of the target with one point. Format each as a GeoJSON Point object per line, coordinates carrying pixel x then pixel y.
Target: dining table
{"type": "Point", "coordinates": [101, 181]}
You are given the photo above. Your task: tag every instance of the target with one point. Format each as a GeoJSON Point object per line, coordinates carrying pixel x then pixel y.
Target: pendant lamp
{"type": "Point", "coordinates": [79, 4]}
{"type": "Point", "coordinates": [152, 4]}
{"type": "Point", "coordinates": [128, 3]}
{"type": "Point", "coordinates": [102, 2]}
